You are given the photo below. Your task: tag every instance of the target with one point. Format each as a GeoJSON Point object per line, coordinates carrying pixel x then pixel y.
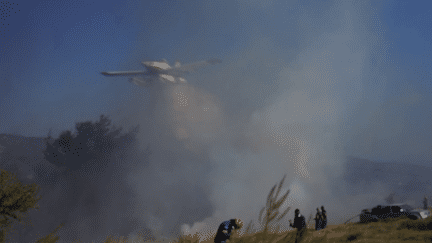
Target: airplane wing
{"type": "Point", "coordinates": [124, 73]}
{"type": "Point", "coordinates": [193, 66]}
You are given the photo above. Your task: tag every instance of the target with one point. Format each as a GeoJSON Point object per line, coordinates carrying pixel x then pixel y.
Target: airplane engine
{"type": "Point", "coordinates": [160, 71]}
{"type": "Point", "coordinates": [141, 81]}
{"type": "Point", "coordinates": [177, 64]}
{"type": "Point", "coordinates": [171, 79]}
{"type": "Point", "coordinates": [166, 77]}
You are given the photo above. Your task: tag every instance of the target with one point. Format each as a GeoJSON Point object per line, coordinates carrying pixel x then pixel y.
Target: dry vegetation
{"type": "Point", "coordinates": [390, 230]}
{"type": "Point", "coordinates": [12, 209]}
{"type": "Point", "coordinates": [16, 199]}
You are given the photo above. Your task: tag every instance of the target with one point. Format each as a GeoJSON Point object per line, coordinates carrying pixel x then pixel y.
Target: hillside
{"type": "Point", "coordinates": [409, 182]}
{"type": "Point", "coordinates": [389, 230]}
{"type": "Point", "coordinates": [23, 155]}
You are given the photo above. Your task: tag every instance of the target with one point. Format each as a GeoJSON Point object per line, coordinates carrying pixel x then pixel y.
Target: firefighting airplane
{"type": "Point", "coordinates": [161, 71]}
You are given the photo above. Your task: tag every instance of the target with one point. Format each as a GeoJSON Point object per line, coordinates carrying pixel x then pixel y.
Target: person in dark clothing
{"type": "Point", "coordinates": [324, 218]}
{"type": "Point", "coordinates": [299, 224]}
{"type": "Point", "coordinates": [425, 203]}
{"type": "Point", "coordinates": [318, 220]}
{"type": "Point", "coordinates": [225, 228]}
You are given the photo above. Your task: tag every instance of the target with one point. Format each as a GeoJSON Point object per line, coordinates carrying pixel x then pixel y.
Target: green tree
{"type": "Point", "coordinates": [92, 140]}
{"type": "Point", "coordinates": [16, 199]}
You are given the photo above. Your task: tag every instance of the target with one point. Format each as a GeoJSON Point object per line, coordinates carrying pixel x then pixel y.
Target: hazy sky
{"type": "Point", "coordinates": [302, 85]}
{"type": "Point", "coordinates": [53, 52]}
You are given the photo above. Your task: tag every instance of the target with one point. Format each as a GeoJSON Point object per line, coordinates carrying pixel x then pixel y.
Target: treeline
{"type": "Point", "coordinates": [92, 142]}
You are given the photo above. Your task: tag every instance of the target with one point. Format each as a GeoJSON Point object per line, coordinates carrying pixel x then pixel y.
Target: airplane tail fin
{"type": "Point", "coordinates": [177, 64]}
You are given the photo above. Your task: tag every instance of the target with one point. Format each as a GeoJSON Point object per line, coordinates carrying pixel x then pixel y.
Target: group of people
{"type": "Point", "coordinates": [300, 222]}
{"type": "Point", "coordinates": [225, 228]}
{"type": "Point", "coordinates": [320, 219]}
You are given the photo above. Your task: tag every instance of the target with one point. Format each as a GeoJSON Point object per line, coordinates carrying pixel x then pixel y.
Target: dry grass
{"type": "Point", "coordinates": [389, 230]}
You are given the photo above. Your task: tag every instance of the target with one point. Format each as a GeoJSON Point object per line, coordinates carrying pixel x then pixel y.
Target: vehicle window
{"type": "Point", "coordinates": [378, 210]}
{"type": "Point", "coordinates": [406, 207]}
{"type": "Point", "coordinates": [386, 210]}
{"type": "Point", "coordinates": [396, 209]}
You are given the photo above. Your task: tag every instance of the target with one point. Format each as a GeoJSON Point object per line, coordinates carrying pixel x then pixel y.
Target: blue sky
{"type": "Point", "coordinates": [333, 78]}
{"type": "Point", "coordinates": [56, 49]}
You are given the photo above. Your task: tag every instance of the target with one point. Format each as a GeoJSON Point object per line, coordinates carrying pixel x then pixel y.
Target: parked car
{"type": "Point", "coordinates": [392, 211]}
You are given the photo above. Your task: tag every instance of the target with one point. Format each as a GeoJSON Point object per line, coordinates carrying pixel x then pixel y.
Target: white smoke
{"type": "Point", "coordinates": [299, 133]}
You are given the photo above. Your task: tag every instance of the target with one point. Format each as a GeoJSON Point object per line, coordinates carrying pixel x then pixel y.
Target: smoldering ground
{"type": "Point", "coordinates": [219, 144]}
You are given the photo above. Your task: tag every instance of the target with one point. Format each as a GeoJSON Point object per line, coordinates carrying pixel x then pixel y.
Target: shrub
{"type": "Point", "coordinates": [419, 225]}
{"type": "Point", "coordinates": [16, 199]}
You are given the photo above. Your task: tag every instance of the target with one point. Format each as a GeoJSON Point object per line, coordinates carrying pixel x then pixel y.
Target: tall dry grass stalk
{"type": "Point", "coordinates": [268, 216]}
{"type": "Point", "coordinates": [52, 237]}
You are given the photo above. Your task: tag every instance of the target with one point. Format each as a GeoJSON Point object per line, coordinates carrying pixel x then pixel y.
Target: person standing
{"type": "Point", "coordinates": [224, 231]}
{"type": "Point", "coordinates": [299, 224]}
{"type": "Point", "coordinates": [324, 218]}
{"type": "Point", "coordinates": [318, 220]}
{"type": "Point", "coordinates": [425, 203]}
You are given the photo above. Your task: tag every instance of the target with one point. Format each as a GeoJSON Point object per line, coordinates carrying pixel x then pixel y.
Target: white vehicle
{"type": "Point", "coordinates": [161, 71]}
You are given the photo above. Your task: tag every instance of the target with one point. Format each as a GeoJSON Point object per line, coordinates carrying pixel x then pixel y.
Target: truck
{"type": "Point", "coordinates": [392, 211]}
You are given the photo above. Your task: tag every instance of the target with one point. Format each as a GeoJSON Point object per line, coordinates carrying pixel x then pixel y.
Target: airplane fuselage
{"type": "Point", "coordinates": [161, 71]}
{"type": "Point", "coordinates": [156, 67]}
{"type": "Point", "coordinates": [159, 68]}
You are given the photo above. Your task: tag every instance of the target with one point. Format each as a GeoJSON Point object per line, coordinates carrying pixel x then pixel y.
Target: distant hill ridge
{"type": "Point", "coordinates": [407, 181]}
{"type": "Point", "coordinates": [18, 153]}
{"type": "Point", "coordinates": [20, 145]}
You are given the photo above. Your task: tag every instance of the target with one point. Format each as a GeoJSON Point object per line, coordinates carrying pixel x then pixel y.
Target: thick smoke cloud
{"type": "Point", "coordinates": [219, 144]}
{"type": "Point", "coordinates": [297, 129]}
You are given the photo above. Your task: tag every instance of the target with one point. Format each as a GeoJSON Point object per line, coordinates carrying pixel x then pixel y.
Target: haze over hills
{"type": "Point", "coordinates": [23, 155]}
{"type": "Point", "coordinates": [409, 182]}
{"type": "Point", "coordinates": [66, 196]}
